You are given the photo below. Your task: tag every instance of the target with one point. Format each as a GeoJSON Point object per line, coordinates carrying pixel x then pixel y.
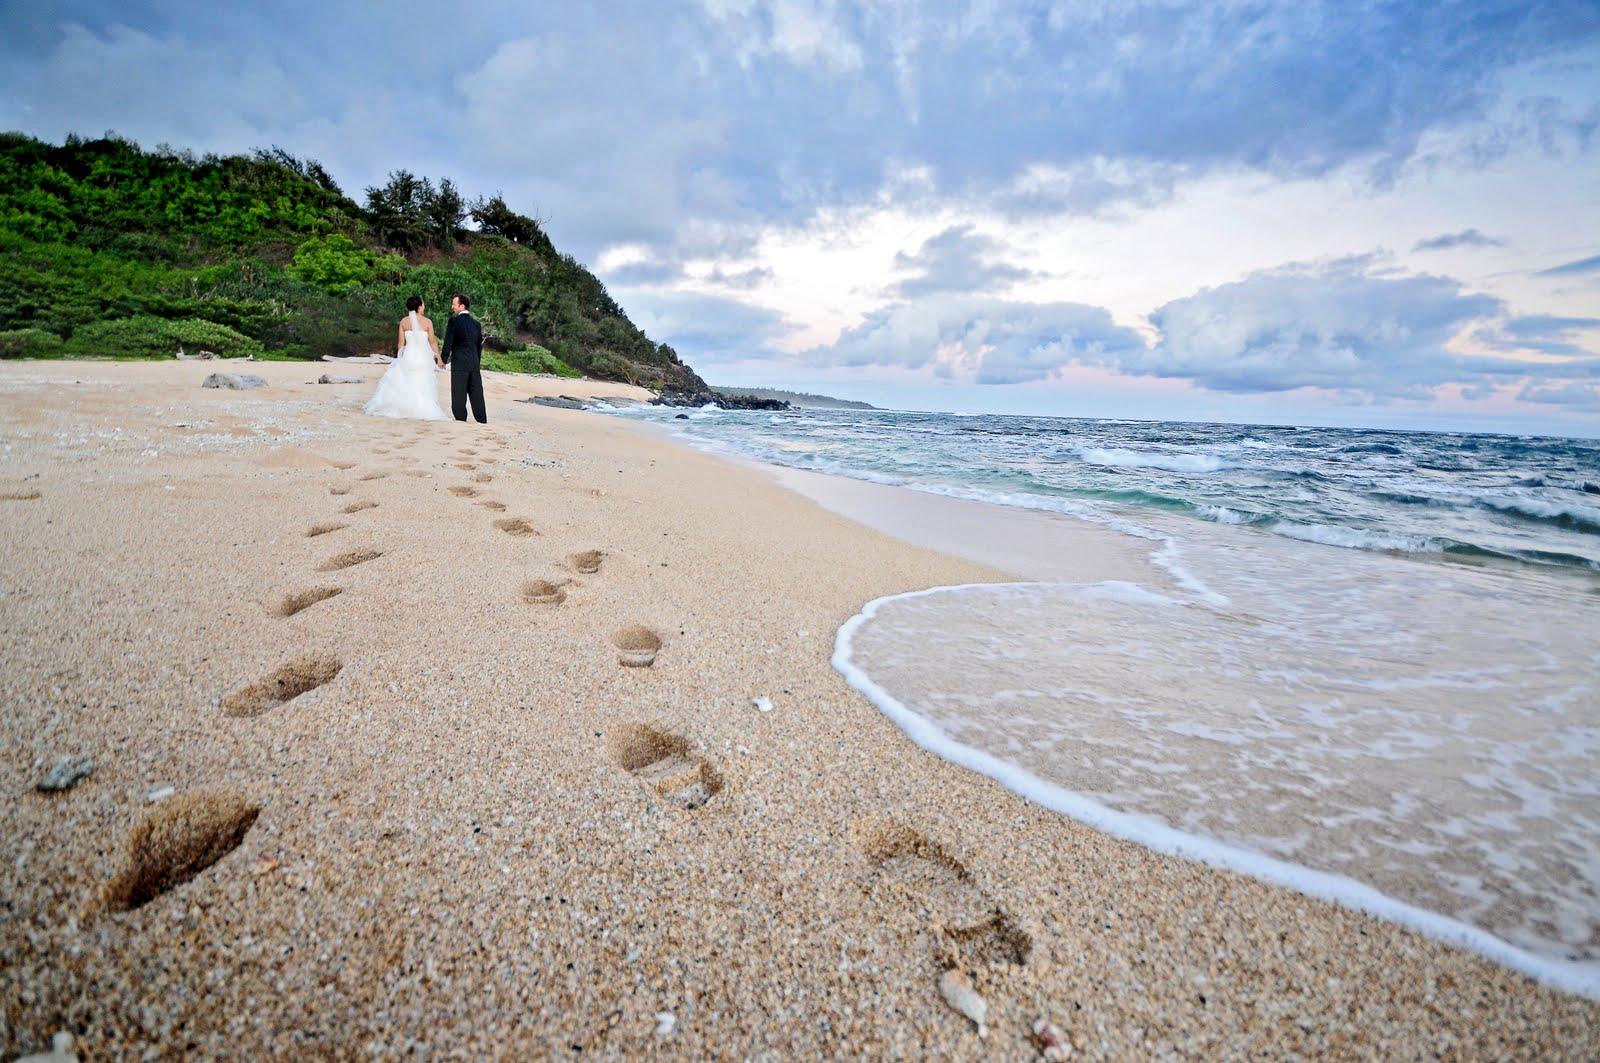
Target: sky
{"type": "Point", "coordinates": [1347, 213]}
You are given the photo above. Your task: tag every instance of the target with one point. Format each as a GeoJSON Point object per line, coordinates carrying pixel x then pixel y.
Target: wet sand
{"type": "Point", "coordinates": [438, 808]}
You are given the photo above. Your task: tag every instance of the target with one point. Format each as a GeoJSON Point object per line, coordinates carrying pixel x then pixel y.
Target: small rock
{"type": "Point", "coordinates": [762, 704]}
{"type": "Point", "coordinates": [329, 378]}
{"type": "Point", "coordinates": [60, 1051]}
{"type": "Point", "coordinates": [235, 381]}
{"type": "Point", "coordinates": [959, 994]}
{"type": "Point", "coordinates": [264, 864]}
{"type": "Point", "coordinates": [66, 773]}
{"type": "Point", "coordinates": [681, 417]}
{"type": "Point", "coordinates": [1050, 1041]}
{"type": "Point", "coordinates": [666, 1024]}
{"type": "Point", "coordinates": [160, 793]}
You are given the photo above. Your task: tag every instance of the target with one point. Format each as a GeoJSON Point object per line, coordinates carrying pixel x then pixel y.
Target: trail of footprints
{"type": "Point", "coordinates": [187, 834]}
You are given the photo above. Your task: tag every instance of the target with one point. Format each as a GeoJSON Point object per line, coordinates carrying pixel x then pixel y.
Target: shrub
{"type": "Point", "coordinates": [144, 336]}
{"type": "Point", "coordinates": [335, 264]}
{"type": "Point", "coordinates": [30, 343]}
{"type": "Point", "coordinates": [529, 359]}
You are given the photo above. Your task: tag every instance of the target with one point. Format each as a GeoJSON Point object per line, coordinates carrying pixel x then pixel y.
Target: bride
{"type": "Point", "coordinates": [407, 388]}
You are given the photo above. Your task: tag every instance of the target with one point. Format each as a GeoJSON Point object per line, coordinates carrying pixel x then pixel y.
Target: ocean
{"type": "Point", "coordinates": [1365, 664]}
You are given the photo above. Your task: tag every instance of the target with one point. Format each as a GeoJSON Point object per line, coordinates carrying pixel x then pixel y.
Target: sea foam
{"type": "Point", "coordinates": [1007, 738]}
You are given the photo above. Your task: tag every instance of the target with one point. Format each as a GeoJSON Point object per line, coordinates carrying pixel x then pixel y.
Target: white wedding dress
{"type": "Point", "coordinates": [408, 388]}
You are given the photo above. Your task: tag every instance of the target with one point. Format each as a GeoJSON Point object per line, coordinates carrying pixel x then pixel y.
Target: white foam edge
{"type": "Point", "coordinates": [1581, 978]}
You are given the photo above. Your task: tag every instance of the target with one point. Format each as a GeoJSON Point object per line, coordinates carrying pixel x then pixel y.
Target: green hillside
{"type": "Point", "coordinates": [113, 251]}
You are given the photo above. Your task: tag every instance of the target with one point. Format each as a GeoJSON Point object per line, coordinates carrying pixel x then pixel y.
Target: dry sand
{"type": "Point", "coordinates": [466, 826]}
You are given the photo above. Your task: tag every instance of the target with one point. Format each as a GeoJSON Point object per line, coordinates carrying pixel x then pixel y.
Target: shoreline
{"type": "Point", "coordinates": [1028, 544]}
{"type": "Point", "coordinates": [458, 844]}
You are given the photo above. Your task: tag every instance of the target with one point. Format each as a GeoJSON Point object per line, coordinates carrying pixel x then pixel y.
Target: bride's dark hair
{"type": "Point", "coordinates": [414, 302]}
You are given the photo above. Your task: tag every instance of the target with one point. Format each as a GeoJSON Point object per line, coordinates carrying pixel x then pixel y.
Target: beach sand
{"type": "Point", "coordinates": [476, 832]}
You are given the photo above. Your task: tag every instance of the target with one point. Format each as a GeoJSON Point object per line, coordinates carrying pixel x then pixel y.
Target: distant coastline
{"type": "Point", "coordinates": [794, 398]}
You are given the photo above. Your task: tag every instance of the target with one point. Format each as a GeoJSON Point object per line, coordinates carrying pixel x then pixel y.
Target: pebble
{"type": "Point", "coordinates": [666, 1024]}
{"type": "Point", "coordinates": [60, 1051]}
{"type": "Point", "coordinates": [329, 378]}
{"type": "Point", "coordinates": [762, 704]}
{"type": "Point", "coordinates": [67, 772]}
{"type": "Point", "coordinates": [959, 994]}
{"type": "Point", "coordinates": [160, 793]}
{"type": "Point", "coordinates": [1050, 1041]}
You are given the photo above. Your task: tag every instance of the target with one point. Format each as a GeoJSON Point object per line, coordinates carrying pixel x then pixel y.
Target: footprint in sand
{"type": "Point", "coordinates": [374, 476]}
{"type": "Point", "coordinates": [516, 527]}
{"type": "Point", "coordinates": [465, 466]}
{"type": "Point", "coordinates": [665, 763]}
{"type": "Point", "coordinates": [297, 601]}
{"type": "Point", "coordinates": [357, 507]}
{"type": "Point", "coordinates": [343, 466]}
{"type": "Point", "coordinates": [416, 474]}
{"type": "Point", "coordinates": [482, 478]}
{"type": "Point", "coordinates": [463, 491]}
{"type": "Point", "coordinates": [299, 676]}
{"type": "Point", "coordinates": [489, 503]}
{"type": "Point", "coordinates": [586, 562]}
{"type": "Point", "coordinates": [349, 559]}
{"type": "Point", "coordinates": [323, 528]}
{"type": "Point", "coordinates": [20, 496]}
{"type": "Point", "coordinates": [543, 592]}
{"type": "Point", "coordinates": [636, 645]}
{"type": "Point", "coordinates": [177, 841]}
{"type": "Point", "coordinates": [339, 489]}
{"type": "Point", "coordinates": [971, 934]}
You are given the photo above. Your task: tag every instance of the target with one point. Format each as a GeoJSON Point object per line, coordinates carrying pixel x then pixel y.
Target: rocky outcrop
{"type": "Point", "coordinates": [718, 399]}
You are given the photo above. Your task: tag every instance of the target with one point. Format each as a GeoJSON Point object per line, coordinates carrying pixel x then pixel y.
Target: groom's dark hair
{"type": "Point", "coordinates": [413, 302]}
{"type": "Point", "coordinates": [466, 303]}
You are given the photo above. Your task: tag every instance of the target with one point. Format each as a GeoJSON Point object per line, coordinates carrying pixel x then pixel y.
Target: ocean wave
{"type": "Point", "coordinates": [1566, 515]}
{"type": "Point", "coordinates": [1355, 538]}
{"type": "Point", "coordinates": [1119, 458]}
{"type": "Point", "coordinates": [1222, 514]}
{"type": "Point", "coordinates": [1371, 448]}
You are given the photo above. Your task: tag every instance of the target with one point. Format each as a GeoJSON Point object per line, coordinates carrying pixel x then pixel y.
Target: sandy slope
{"type": "Point", "coordinates": [476, 833]}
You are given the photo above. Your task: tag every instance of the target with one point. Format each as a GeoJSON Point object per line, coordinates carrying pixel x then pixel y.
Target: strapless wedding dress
{"type": "Point", "coordinates": [408, 388]}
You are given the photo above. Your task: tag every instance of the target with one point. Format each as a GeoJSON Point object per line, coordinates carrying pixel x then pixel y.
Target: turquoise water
{"type": "Point", "coordinates": [1524, 499]}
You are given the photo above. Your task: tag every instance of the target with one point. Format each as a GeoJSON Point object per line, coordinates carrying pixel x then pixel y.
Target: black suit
{"type": "Point", "coordinates": [463, 351]}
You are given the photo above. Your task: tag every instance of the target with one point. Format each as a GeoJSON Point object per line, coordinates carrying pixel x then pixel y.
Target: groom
{"type": "Point", "coordinates": [463, 348]}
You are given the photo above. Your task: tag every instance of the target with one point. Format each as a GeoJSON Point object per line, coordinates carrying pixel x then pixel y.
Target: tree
{"type": "Point", "coordinates": [395, 210]}
{"type": "Point", "coordinates": [443, 210]}
{"type": "Point", "coordinates": [497, 219]}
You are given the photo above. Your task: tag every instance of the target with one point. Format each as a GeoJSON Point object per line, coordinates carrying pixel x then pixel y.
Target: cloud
{"type": "Point", "coordinates": [1539, 333]}
{"type": "Point", "coordinates": [1351, 328]}
{"type": "Point", "coordinates": [100, 79]}
{"type": "Point", "coordinates": [627, 121]}
{"type": "Point", "coordinates": [1336, 326]}
{"type": "Point", "coordinates": [1582, 265]}
{"type": "Point", "coordinates": [753, 277]}
{"type": "Point", "coordinates": [706, 329]}
{"type": "Point", "coordinates": [1583, 397]}
{"type": "Point", "coordinates": [956, 260]}
{"type": "Point", "coordinates": [1465, 238]}
{"type": "Point", "coordinates": [986, 341]}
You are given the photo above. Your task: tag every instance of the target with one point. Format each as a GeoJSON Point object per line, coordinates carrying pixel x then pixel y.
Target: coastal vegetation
{"type": "Point", "coordinates": [112, 250]}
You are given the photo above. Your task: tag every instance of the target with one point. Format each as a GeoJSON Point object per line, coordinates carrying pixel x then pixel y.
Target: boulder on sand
{"type": "Point", "coordinates": [236, 381]}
